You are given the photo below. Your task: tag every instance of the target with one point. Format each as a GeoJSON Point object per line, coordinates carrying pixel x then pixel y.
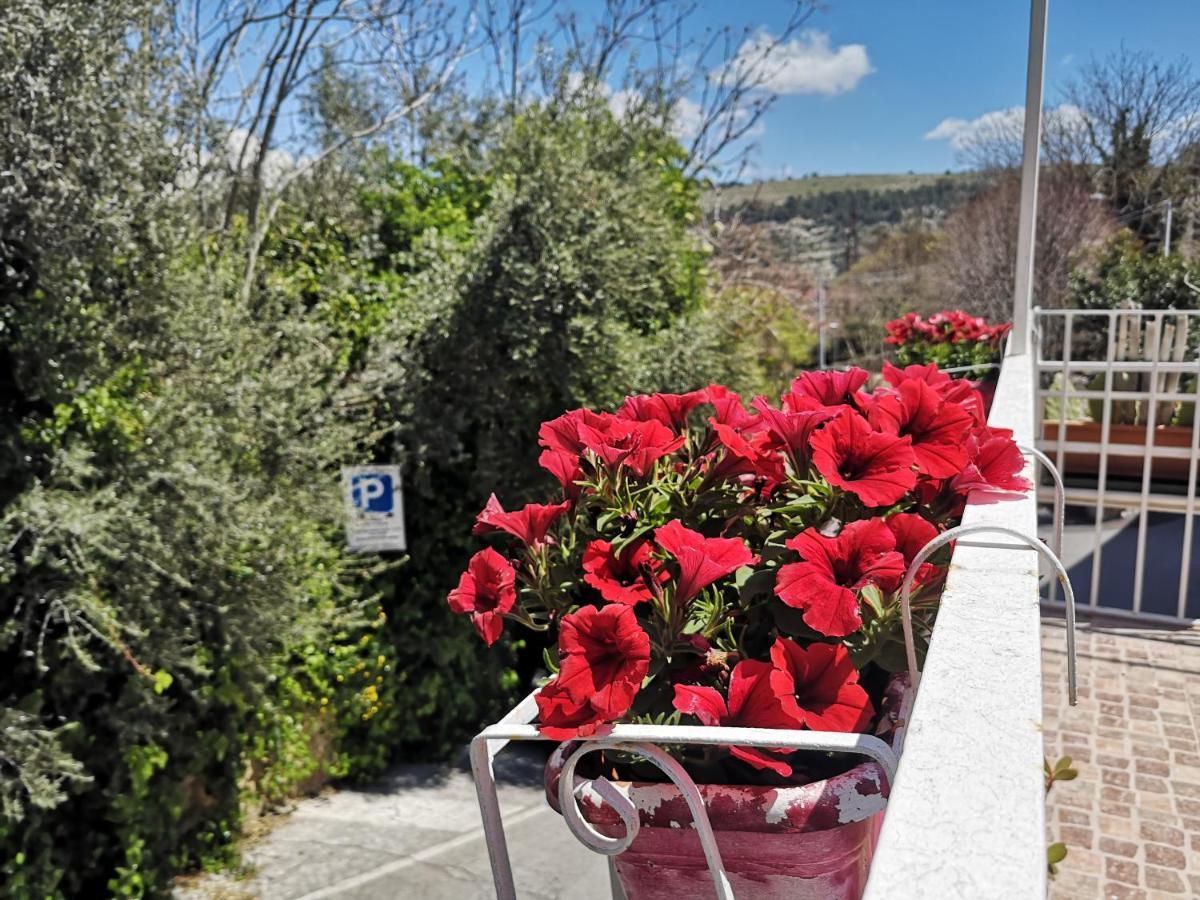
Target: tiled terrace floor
{"type": "Point", "coordinates": [1131, 820]}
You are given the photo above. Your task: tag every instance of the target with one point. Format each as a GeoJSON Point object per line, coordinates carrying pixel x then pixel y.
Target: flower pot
{"type": "Point", "coordinates": [1163, 468]}
{"type": "Point", "coordinates": [800, 842]}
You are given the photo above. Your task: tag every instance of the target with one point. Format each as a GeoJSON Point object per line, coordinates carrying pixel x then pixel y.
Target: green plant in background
{"type": "Point", "coordinates": [1062, 770]}
{"type": "Point", "coordinates": [184, 638]}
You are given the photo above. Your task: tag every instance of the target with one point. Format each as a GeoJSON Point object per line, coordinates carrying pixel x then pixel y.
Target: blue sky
{"type": "Point", "coordinates": [930, 60]}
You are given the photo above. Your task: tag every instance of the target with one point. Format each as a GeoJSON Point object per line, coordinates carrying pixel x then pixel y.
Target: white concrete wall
{"type": "Point", "coordinates": [966, 815]}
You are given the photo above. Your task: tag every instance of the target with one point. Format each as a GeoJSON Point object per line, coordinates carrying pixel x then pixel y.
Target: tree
{"type": "Point", "coordinates": [1136, 114]}
{"type": "Point", "coordinates": [977, 257]}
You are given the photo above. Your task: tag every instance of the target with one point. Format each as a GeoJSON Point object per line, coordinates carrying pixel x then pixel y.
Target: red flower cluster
{"type": "Point", "coordinates": [951, 326]}
{"type": "Point", "coordinates": [815, 687]}
{"type": "Point", "coordinates": [734, 563]}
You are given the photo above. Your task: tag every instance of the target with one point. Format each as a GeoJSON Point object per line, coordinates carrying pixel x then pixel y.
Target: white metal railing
{"type": "Point", "coordinates": [1115, 398]}
{"type": "Point", "coordinates": [966, 814]}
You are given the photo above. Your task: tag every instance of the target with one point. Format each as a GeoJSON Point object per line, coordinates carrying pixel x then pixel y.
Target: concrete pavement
{"type": "Point", "coordinates": [417, 834]}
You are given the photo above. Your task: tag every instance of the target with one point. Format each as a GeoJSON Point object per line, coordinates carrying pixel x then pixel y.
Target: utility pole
{"type": "Point", "coordinates": [821, 323]}
{"type": "Point", "coordinates": [1167, 229]}
{"type": "Point", "coordinates": [1027, 223]}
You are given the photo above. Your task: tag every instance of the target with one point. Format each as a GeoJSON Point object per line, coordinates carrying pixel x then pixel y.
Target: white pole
{"type": "Point", "coordinates": [1167, 235]}
{"type": "Point", "coordinates": [1027, 228]}
{"type": "Point", "coordinates": [821, 323]}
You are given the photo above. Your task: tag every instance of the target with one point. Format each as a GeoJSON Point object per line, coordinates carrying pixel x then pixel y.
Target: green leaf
{"type": "Point", "coordinates": [873, 597]}
{"type": "Point", "coordinates": [1056, 853]}
{"type": "Point", "coordinates": [162, 681]}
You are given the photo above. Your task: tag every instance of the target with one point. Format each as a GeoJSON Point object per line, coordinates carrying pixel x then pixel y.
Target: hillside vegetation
{"type": "Point", "coordinates": [781, 190]}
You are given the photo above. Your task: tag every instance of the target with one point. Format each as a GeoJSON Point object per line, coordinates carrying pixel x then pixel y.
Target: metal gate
{"type": "Point", "coordinates": [1116, 395]}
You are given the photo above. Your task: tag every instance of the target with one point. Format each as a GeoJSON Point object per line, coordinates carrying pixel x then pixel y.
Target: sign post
{"type": "Point", "coordinates": [374, 508]}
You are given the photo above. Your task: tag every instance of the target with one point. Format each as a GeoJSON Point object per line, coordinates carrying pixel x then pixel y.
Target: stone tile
{"type": "Point", "coordinates": [1164, 880]}
{"type": "Point", "coordinates": [1131, 821]}
{"type": "Point", "coordinates": [1123, 871]}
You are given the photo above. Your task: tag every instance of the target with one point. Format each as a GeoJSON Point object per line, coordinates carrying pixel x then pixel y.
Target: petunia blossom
{"type": "Point", "coordinates": [562, 433]}
{"type": "Point", "coordinates": [875, 467]}
{"type": "Point", "coordinates": [728, 409]}
{"type": "Point", "coordinates": [563, 465]}
{"type": "Point", "coordinates": [828, 386]}
{"type": "Point", "coordinates": [604, 654]}
{"type": "Point", "coordinates": [745, 454]}
{"type": "Point", "coordinates": [486, 591]}
{"type": "Point", "coordinates": [937, 427]}
{"type": "Point", "coordinates": [635, 445]}
{"type": "Point", "coordinates": [953, 390]}
{"type": "Point", "coordinates": [792, 429]}
{"type": "Point", "coordinates": [824, 585]}
{"type": "Point", "coordinates": [912, 533]}
{"type": "Point", "coordinates": [560, 718]}
{"type": "Point", "coordinates": [754, 702]}
{"type": "Point", "coordinates": [702, 560]}
{"type": "Point", "coordinates": [528, 524]}
{"type": "Point", "coordinates": [994, 463]}
{"type": "Point", "coordinates": [623, 577]}
{"type": "Point", "coordinates": [670, 410]}
{"type": "Point", "coordinates": [824, 684]}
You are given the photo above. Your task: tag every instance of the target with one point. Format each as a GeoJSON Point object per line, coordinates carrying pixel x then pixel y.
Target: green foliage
{"type": "Point", "coordinates": [1062, 770]}
{"type": "Point", "coordinates": [183, 636]}
{"type": "Point", "coordinates": [1124, 275]}
{"type": "Point", "coordinates": [861, 207]}
{"type": "Point", "coordinates": [945, 354]}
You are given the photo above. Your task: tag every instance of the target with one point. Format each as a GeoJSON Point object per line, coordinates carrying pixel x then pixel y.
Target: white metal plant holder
{"type": "Point", "coordinates": [643, 740]}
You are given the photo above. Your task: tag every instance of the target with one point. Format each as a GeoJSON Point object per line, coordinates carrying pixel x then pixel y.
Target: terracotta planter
{"type": "Point", "coordinates": [802, 842]}
{"type": "Point", "coordinates": [1086, 463]}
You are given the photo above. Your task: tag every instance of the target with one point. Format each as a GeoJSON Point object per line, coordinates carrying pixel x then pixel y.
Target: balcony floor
{"type": "Point", "coordinates": [1131, 820]}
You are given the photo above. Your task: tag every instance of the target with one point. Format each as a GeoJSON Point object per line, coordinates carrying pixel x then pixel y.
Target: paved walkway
{"type": "Point", "coordinates": [1131, 820]}
{"type": "Point", "coordinates": [416, 835]}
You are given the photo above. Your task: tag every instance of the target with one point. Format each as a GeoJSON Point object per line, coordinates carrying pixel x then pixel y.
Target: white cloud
{"type": "Point", "coordinates": [1004, 124]}
{"type": "Point", "coordinates": [808, 64]}
{"type": "Point", "coordinates": [1000, 126]}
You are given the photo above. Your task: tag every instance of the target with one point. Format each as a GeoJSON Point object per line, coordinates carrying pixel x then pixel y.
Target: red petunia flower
{"type": "Point", "coordinates": [624, 577]}
{"type": "Point", "coordinates": [529, 524]}
{"type": "Point", "coordinates": [701, 560]}
{"type": "Point", "coordinates": [937, 428]}
{"type": "Point", "coordinates": [729, 410]}
{"type": "Point", "coordinates": [563, 465]}
{"type": "Point", "coordinates": [825, 584]}
{"type": "Point", "coordinates": [635, 445]}
{"type": "Point", "coordinates": [876, 467]}
{"type": "Point", "coordinates": [792, 430]}
{"type": "Point", "coordinates": [485, 592]}
{"type": "Point", "coordinates": [754, 702]}
{"type": "Point", "coordinates": [953, 390]}
{"type": "Point", "coordinates": [563, 433]}
{"type": "Point", "coordinates": [561, 719]}
{"type": "Point", "coordinates": [824, 685]}
{"type": "Point", "coordinates": [912, 533]}
{"type": "Point", "coordinates": [746, 454]}
{"type": "Point", "coordinates": [670, 410]}
{"type": "Point", "coordinates": [829, 387]}
{"type": "Point", "coordinates": [604, 654]}
{"type": "Point", "coordinates": [995, 463]}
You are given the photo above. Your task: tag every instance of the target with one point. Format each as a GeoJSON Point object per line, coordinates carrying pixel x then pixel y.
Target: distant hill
{"type": "Point", "coordinates": [773, 192]}
{"type": "Point", "coordinates": [826, 222]}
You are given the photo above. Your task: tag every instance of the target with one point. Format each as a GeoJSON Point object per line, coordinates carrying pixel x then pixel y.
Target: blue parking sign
{"type": "Point", "coordinates": [374, 508]}
{"type": "Point", "coordinates": [372, 492]}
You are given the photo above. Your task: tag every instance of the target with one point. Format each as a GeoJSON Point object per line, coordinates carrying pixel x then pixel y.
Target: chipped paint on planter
{"type": "Point", "coordinates": [801, 842]}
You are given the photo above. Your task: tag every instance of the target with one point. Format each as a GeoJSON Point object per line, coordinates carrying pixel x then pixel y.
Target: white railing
{"type": "Point", "coordinates": [966, 814]}
{"type": "Point", "coordinates": [1111, 387]}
